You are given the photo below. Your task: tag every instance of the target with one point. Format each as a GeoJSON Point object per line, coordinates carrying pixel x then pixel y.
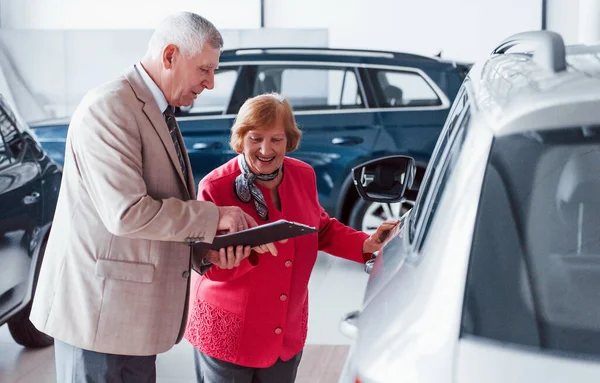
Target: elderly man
{"type": "Point", "coordinates": [113, 286]}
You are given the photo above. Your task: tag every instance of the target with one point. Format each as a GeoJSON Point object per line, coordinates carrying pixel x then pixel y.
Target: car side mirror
{"type": "Point", "coordinates": [384, 179]}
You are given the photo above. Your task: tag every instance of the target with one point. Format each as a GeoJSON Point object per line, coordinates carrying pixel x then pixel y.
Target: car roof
{"type": "Point", "coordinates": [558, 87]}
{"type": "Point", "coordinates": [333, 55]}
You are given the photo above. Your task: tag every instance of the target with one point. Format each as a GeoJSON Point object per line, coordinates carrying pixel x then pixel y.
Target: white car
{"type": "Point", "coordinates": [495, 274]}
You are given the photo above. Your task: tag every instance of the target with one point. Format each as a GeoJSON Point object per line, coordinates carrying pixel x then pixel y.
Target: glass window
{"type": "Point", "coordinates": [350, 91]}
{"type": "Point", "coordinates": [15, 117]}
{"type": "Point", "coordinates": [215, 101]}
{"type": "Point", "coordinates": [311, 88]}
{"type": "Point", "coordinates": [439, 184]}
{"type": "Point", "coordinates": [5, 157]}
{"type": "Point", "coordinates": [34, 151]}
{"type": "Point", "coordinates": [435, 166]}
{"type": "Point", "coordinates": [14, 144]}
{"type": "Point", "coordinates": [403, 89]}
{"type": "Point", "coordinates": [534, 272]}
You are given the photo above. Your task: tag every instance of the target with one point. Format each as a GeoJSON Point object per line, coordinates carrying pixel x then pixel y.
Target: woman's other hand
{"type": "Point", "coordinates": [382, 235]}
{"type": "Point", "coordinates": [268, 248]}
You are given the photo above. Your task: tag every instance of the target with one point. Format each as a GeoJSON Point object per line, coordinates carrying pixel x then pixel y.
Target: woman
{"type": "Point", "coordinates": [249, 323]}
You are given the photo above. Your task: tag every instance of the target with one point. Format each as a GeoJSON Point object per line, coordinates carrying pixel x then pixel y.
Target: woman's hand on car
{"type": "Point", "coordinates": [386, 231]}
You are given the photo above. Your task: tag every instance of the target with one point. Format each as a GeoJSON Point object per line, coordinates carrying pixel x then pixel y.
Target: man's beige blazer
{"type": "Point", "coordinates": [116, 269]}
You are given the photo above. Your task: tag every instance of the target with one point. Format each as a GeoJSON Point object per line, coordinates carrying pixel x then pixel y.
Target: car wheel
{"type": "Point", "coordinates": [367, 216]}
{"type": "Point", "coordinates": [20, 327]}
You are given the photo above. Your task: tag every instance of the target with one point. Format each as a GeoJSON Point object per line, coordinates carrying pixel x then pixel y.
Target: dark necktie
{"type": "Point", "coordinates": [173, 129]}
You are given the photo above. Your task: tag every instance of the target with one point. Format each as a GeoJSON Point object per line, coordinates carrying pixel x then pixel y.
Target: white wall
{"type": "Point", "coordinates": [122, 14]}
{"type": "Point", "coordinates": [576, 20]}
{"type": "Point", "coordinates": [463, 29]}
{"type": "Point", "coordinates": [60, 68]}
{"type": "Point", "coordinates": [563, 17]}
{"type": "Point", "coordinates": [48, 72]}
{"type": "Point", "coordinates": [589, 27]}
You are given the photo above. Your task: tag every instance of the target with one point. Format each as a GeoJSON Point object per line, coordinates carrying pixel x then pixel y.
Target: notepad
{"type": "Point", "coordinates": [267, 233]}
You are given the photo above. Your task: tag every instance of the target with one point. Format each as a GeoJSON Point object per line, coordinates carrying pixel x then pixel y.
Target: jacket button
{"type": "Point", "coordinates": [283, 297]}
{"type": "Point", "coordinates": [288, 263]}
{"type": "Point", "coordinates": [278, 330]}
{"type": "Point", "coordinates": [185, 274]}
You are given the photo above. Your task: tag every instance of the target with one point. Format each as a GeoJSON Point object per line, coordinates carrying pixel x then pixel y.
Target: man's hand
{"type": "Point", "coordinates": [228, 258]}
{"type": "Point", "coordinates": [232, 219]}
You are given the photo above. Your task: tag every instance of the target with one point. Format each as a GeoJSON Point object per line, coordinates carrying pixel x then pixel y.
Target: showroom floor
{"type": "Point", "coordinates": [336, 287]}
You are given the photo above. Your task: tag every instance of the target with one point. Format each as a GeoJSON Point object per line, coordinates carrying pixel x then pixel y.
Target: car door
{"type": "Point", "coordinates": [338, 130]}
{"type": "Point", "coordinates": [394, 254]}
{"type": "Point", "coordinates": [412, 110]}
{"type": "Point", "coordinates": [401, 280]}
{"type": "Point", "coordinates": [20, 212]}
{"type": "Point", "coordinates": [403, 294]}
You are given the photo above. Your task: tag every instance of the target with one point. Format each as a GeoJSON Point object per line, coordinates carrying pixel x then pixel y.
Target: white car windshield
{"type": "Point", "coordinates": [534, 274]}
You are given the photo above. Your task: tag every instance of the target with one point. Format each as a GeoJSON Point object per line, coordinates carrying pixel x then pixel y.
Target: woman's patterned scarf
{"type": "Point", "coordinates": [246, 189]}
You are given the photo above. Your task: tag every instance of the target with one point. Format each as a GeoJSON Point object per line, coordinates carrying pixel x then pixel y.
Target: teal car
{"type": "Point", "coordinates": [29, 185]}
{"type": "Point", "coordinates": [352, 106]}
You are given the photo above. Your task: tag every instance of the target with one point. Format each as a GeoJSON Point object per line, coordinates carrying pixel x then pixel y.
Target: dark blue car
{"type": "Point", "coordinates": [351, 105]}
{"type": "Point", "coordinates": [29, 185]}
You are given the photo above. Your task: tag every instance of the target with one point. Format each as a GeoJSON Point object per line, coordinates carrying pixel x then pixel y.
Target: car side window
{"type": "Point", "coordinates": [5, 157]}
{"type": "Point", "coordinates": [395, 89]}
{"type": "Point", "coordinates": [34, 151]}
{"type": "Point", "coordinates": [438, 169]}
{"type": "Point", "coordinates": [440, 185]}
{"type": "Point", "coordinates": [313, 88]}
{"type": "Point", "coordinates": [534, 265]}
{"type": "Point", "coordinates": [216, 100]}
{"type": "Point", "coordinates": [13, 144]}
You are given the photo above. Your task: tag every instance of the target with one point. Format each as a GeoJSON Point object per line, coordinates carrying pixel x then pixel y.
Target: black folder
{"type": "Point", "coordinates": [270, 232]}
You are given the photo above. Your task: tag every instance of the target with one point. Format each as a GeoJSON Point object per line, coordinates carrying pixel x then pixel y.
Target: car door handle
{"type": "Point", "coordinates": [31, 199]}
{"type": "Point", "coordinates": [348, 325]}
{"type": "Point", "coordinates": [207, 145]}
{"type": "Point", "coordinates": [369, 265]}
{"type": "Point", "coordinates": [350, 140]}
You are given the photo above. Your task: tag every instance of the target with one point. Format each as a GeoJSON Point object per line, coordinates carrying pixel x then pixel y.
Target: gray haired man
{"type": "Point", "coordinates": [114, 281]}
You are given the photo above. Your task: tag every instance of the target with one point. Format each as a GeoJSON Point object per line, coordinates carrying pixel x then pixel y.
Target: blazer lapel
{"type": "Point", "coordinates": [157, 120]}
